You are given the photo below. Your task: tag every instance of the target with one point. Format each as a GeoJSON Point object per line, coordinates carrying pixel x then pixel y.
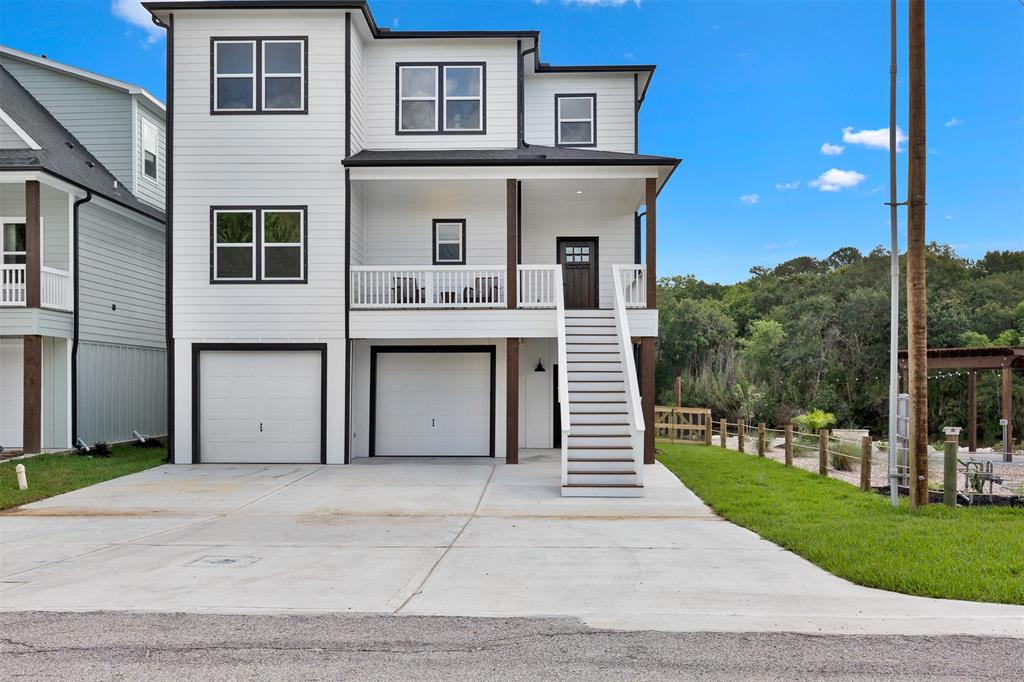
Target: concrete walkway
{"type": "Point", "coordinates": [435, 537]}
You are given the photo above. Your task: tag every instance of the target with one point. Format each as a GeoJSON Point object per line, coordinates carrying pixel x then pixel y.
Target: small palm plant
{"type": "Point", "coordinates": [815, 420]}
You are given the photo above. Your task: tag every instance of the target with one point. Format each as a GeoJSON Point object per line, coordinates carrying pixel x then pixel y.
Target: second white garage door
{"type": "Point", "coordinates": [260, 406]}
{"type": "Point", "coordinates": [433, 404]}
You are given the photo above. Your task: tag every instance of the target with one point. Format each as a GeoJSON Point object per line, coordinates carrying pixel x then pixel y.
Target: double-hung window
{"type": "Point", "coordinates": [576, 120]}
{"type": "Point", "coordinates": [254, 244]}
{"type": "Point", "coordinates": [450, 242]}
{"type": "Point", "coordinates": [440, 98]}
{"type": "Point", "coordinates": [150, 149]}
{"type": "Point", "coordinates": [258, 75]}
{"type": "Point", "coordinates": [12, 244]}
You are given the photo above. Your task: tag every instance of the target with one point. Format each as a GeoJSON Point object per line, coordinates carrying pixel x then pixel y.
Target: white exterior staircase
{"type": "Point", "coordinates": [602, 442]}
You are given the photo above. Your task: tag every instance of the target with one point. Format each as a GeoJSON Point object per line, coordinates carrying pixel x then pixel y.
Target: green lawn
{"type": "Point", "coordinates": [50, 475]}
{"type": "Point", "coordinates": [975, 554]}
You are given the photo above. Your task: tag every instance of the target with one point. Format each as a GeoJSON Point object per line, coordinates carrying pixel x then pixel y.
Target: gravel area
{"type": "Point", "coordinates": [180, 647]}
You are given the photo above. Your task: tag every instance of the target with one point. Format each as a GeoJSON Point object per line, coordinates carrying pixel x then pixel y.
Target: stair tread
{"type": "Point", "coordinates": [598, 435]}
{"type": "Point", "coordinates": [601, 485]}
{"type": "Point", "coordinates": [600, 447]}
{"type": "Point", "coordinates": [595, 460]}
{"type": "Point", "coordinates": [603, 423]}
{"type": "Point", "coordinates": [601, 473]}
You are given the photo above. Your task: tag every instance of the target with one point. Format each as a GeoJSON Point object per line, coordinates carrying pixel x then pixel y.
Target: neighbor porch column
{"type": "Point", "coordinates": [647, 351]}
{"type": "Point", "coordinates": [33, 246]}
{"type": "Point", "coordinates": [972, 411]}
{"type": "Point", "coordinates": [512, 401]}
{"type": "Point", "coordinates": [512, 243]}
{"type": "Point", "coordinates": [32, 374]}
{"type": "Point", "coordinates": [1008, 405]}
{"type": "Point", "coordinates": [652, 228]}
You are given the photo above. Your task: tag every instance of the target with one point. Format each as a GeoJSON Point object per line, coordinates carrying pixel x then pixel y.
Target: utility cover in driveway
{"type": "Point", "coordinates": [433, 404]}
{"type": "Point", "coordinates": [259, 406]}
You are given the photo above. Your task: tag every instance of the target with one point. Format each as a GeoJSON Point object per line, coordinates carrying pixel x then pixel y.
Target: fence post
{"type": "Point", "coordinates": [823, 452]}
{"type": "Point", "coordinates": [789, 445]}
{"type": "Point", "coordinates": [762, 446]}
{"type": "Point", "coordinates": [707, 427]}
{"type": "Point", "coordinates": [949, 473]}
{"type": "Point", "coordinates": [865, 463]}
{"type": "Point", "coordinates": [723, 432]}
{"type": "Point", "coordinates": [741, 430]}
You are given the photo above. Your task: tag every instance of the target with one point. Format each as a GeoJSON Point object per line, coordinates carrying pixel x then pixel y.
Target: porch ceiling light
{"type": "Point", "coordinates": [579, 191]}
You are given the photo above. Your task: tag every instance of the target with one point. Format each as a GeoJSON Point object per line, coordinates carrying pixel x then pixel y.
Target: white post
{"type": "Point", "coordinates": [19, 470]}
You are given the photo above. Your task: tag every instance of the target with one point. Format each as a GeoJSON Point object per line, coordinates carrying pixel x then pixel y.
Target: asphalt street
{"type": "Point", "coordinates": [179, 647]}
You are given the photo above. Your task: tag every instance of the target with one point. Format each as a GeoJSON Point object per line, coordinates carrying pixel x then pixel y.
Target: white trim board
{"type": "Point", "coordinates": [18, 130]}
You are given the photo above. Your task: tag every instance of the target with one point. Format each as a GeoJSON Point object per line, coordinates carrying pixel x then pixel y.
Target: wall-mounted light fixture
{"type": "Point", "coordinates": [539, 367]}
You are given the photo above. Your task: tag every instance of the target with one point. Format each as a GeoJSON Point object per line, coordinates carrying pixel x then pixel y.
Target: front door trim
{"type": "Point", "coordinates": [375, 350]}
{"type": "Point", "coordinates": [596, 263]}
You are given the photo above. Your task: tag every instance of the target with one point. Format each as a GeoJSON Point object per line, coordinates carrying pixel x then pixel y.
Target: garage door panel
{"type": "Point", "coordinates": [11, 393]}
{"type": "Point", "coordinates": [260, 406]}
{"type": "Point", "coordinates": [433, 403]}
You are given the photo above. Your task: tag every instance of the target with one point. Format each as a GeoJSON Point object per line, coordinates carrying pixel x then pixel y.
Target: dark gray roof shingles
{"type": "Point", "coordinates": [62, 154]}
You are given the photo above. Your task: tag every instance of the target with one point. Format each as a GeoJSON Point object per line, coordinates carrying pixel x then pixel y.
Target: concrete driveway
{"type": "Point", "coordinates": [435, 537]}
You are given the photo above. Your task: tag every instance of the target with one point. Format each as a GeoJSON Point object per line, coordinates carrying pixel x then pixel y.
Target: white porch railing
{"type": "Point", "coordinates": [12, 285]}
{"type": "Point", "coordinates": [56, 288]}
{"type": "Point", "coordinates": [634, 284]}
{"type": "Point", "coordinates": [537, 285]}
{"type": "Point", "coordinates": [636, 412]}
{"type": "Point", "coordinates": [563, 373]}
{"type": "Point", "coordinates": [438, 286]}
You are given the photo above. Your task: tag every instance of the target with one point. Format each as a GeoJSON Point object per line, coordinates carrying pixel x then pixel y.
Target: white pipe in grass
{"type": "Point", "coordinates": [22, 479]}
{"type": "Point", "coordinates": [142, 439]}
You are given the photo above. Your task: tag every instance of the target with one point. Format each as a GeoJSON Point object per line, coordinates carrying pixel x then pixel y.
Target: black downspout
{"type": "Point", "coordinates": [348, 240]}
{"type": "Point", "coordinates": [636, 236]}
{"type": "Point", "coordinates": [521, 82]}
{"type": "Point", "coordinates": [169, 236]}
{"type": "Point", "coordinates": [74, 320]}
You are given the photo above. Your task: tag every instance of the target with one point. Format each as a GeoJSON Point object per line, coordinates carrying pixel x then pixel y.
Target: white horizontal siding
{"type": "Point", "coordinates": [10, 139]}
{"type": "Point", "coordinates": [399, 220]}
{"type": "Point", "coordinates": [501, 96]}
{"type": "Point", "coordinates": [54, 210]}
{"type": "Point", "coordinates": [121, 263]}
{"type": "Point", "coordinates": [358, 89]}
{"type": "Point", "coordinates": [40, 321]}
{"type": "Point", "coordinates": [615, 107]}
{"type": "Point", "coordinates": [259, 160]}
{"type": "Point", "coordinates": [453, 324]}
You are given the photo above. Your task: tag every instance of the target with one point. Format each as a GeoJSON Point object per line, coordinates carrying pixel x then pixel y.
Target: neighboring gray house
{"type": "Point", "coordinates": [82, 340]}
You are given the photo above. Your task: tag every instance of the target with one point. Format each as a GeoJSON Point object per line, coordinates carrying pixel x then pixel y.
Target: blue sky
{"type": "Point", "coordinates": [747, 93]}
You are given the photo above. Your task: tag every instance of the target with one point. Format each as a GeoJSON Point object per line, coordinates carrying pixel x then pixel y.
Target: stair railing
{"type": "Point", "coordinates": [563, 373]}
{"type": "Point", "coordinates": [636, 413]}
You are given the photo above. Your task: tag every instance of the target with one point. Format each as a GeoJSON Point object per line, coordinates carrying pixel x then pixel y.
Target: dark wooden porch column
{"type": "Point", "coordinates": [512, 401]}
{"type": "Point", "coordinates": [647, 352]}
{"type": "Point", "coordinates": [1008, 404]}
{"type": "Point", "coordinates": [972, 411]}
{"type": "Point", "coordinates": [512, 246]}
{"type": "Point", "coordinates": [33, 245]}
{"type": "Point", "coordinates": [652, 228]}
{"type": "Point", "coordinates": [32, 382]}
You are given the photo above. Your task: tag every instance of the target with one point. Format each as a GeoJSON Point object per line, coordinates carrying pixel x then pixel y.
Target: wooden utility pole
{"type": "Point", "coordinates": [917, 325]}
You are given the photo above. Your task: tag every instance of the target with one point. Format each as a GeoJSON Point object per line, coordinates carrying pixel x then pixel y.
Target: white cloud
{"type": "Point", "coordinates": [135, 14]}
{"type": "Point", "coordinates": [394, 22]}
{"type": "Point", "coordinates": [832, 149]}
{"type": "Point", "coordinates": [601, 3]}
{"type": "Point", "coordinates": [875, 139]}
{"type": "Point", "coordinates": [834, 180]}
{"type": "Point", "coordinates": [784, 186]}
{"type": "Point", "coordinates": [948, 216]}
{"type": "Point", "coordinates": [954, 122]}
{"type": "Point", "coordinates": [750, 199]}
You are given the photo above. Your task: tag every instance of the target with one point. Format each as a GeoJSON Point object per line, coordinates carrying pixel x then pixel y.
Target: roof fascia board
{"type": "Point", "coordinates": [503, 172]}
{"type": "Point", "coordinates": [17, 177]}
{"type": "Point", "coordinates": [18, 130]}
{"type": "Point", "coordinates": [80, 73]}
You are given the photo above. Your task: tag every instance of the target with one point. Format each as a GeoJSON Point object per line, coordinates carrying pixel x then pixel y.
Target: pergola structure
{"type": "Point", "coordinates": [1005, 358]}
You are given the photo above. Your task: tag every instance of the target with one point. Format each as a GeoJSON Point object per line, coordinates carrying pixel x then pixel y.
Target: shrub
{"type": "Point", "coordinates": [841, 455]}
{"type": "Point", "coordinates": [815, 420]}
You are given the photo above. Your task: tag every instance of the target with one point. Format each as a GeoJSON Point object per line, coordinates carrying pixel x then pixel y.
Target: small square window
{"type": "Point", "coordinates": [450, 242]}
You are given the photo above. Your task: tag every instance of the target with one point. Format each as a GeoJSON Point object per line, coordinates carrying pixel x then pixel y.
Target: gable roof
{"type": "Point", "coordinates": [532, 155]}
{"type": "Point", "coordinates": [60, 153]}
{"type": "Point", "coordinates": [76, 72]}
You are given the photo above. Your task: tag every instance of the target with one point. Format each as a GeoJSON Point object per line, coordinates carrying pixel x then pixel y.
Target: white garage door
{"type": "Point", "coordinates": [433, 404]}
{"type": "Point", "coordinates": [259, 406]}
{"type": "Point", "coordinates": [11, 393]}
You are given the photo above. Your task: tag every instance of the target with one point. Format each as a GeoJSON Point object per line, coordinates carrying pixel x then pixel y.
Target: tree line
{"type": "Point", "coordinates": [814, 334]}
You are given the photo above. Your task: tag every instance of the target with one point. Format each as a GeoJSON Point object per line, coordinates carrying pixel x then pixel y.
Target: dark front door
{"type": "Point", "coordinates": [578, 257]}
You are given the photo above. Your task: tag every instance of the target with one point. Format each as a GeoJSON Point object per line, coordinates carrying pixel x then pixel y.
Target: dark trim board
{"type": "Point", "coordinates": [375, 350]}
{"type": "Point", "coordinates": [198, 348]}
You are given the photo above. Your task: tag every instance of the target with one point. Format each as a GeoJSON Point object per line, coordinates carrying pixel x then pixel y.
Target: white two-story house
{"type": "Point", "coordinates": [82, 334]}
{"type": "Point", "coordinates": [405, 244]}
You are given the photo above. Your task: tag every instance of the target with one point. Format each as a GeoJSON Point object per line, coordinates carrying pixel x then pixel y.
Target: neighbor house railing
{"type": "Point", "coordinates": [438, 286]}
{"type": "Point", "coordinates": [634, 285]}
{"type": "Point", "coordinates": [537, 285]}
{"type": "Point", "coordinates": [12, 285]}
{"type": "Point", "coordinates": [56, 288]}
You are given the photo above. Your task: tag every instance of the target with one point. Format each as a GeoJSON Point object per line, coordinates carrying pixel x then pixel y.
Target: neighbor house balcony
{"type": "Point", "coordinates": [54, 287]}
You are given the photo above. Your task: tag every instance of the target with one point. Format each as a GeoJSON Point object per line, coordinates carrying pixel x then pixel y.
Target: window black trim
{"type": "Point", "coordinates": [258, 244]}
{"type": "Point", "coordinates": [593, 104]}
{"type": "Point", "coordinates": [258, 74]}
{"type": "Point", "coordinates": [433, 241]}
{"type": "Point", "coordinates": [198, 348]}
{"type": "Point", "coordinates": [441, 99]}
{"type": "Point", "coordinates": [376, 350]}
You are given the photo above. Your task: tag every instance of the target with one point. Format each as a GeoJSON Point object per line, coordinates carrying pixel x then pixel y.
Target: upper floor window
{"type": "Point", "coordinates": [258, 245]}
{"type": "Point", "coordinates": [13, 247]}
{"type": "Point", "coordinates": [440, 98]}
{"type": "Point", "coordinates": [576, 120]}
{"type": "Point", "coordinates": [150, 149]}
{"type": "Point", "coordinates": [258, 75]}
